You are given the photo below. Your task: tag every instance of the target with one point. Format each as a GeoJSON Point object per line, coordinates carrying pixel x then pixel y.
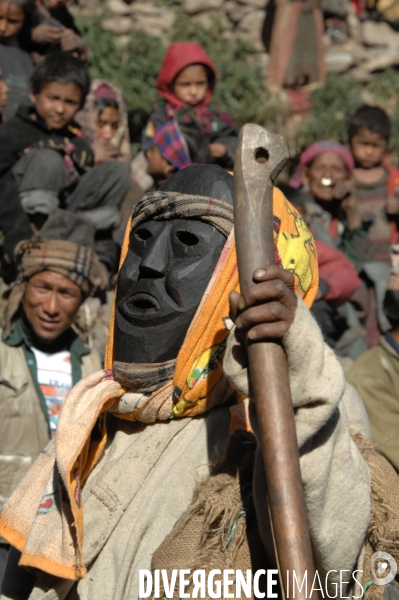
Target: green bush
{"type": "Point", "coordinates": [241, 86]}
{"type": "Point", "coordinates": [133, 69]}
{"type": "Point", "coordinates": [241, 82]}
{"type": "Point", "coordinates": [332, 105]}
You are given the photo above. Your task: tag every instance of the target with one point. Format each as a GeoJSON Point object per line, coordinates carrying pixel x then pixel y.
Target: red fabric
{"type": "Point", "coordinates": [393, 190]}
{"type": "Point", "coordinates": [338, 272]}
{"type": "Point", "coordinates": [179, 56]}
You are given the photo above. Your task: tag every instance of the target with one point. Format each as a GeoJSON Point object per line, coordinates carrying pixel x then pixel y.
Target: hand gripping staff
{"type": "Point", "coordinates": [260, 156]}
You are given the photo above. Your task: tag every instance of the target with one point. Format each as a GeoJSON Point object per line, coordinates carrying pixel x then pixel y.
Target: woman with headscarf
{"type": "Point", "coordinates": [103, 120]}
{"type": "Point", "coordinates": [325, 170]}
{"type": "Point", "coordinates": [133, 440]}
{"type": "Point", "coordinates": [185, 83]}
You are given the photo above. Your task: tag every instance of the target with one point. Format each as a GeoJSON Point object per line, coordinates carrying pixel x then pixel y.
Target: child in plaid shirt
{"type": "Point", "coordinates": [186, 83]}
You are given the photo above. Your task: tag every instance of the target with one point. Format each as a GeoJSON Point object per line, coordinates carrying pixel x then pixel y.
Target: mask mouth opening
{"type": "Point", "coordinates": [143, 304]}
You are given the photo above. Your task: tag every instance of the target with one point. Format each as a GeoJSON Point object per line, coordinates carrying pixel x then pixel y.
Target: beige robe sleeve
{"type": "Point", "coordinates": [328, 411]}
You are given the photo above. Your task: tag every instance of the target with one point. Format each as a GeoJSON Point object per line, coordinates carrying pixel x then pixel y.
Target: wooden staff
{"type": "Point", "coordinates": [260, 156]}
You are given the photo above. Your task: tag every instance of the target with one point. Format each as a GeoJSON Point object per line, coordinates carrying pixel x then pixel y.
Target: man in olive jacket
{"type": "Point", "coordinates": [41, 357]}
{"type": "Point", "coordinates": [375, 375]}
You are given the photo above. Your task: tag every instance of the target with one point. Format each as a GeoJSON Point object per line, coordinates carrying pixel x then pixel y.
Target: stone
{"type": "Point", "coordinates": [379, 34]}
{"type": "Point", "coordinates": [193, 7]}
{"type": "Point", "coordinates": [122, 41]}
{"type": "Point", "coordinates": [359, 75]}
{"type": "Point", "coordinates": [339, 62]}
{"type": "Point", "coordinates": [149, 10]}
{"type": "Point", "coordinates": [235, 11]}
{"type": "Point", "coordinates": [208, 18]}
{"type": "Point", "coordinates": [252, 26]}
{"type": "Point", "coordinates": [382, 60]}
{"type": "Point", "coordinates": [354, 25]}
{"type": "Point", "coordinates": [255, 3]}
{"type": "Point", "coordinates": [118, 25]}
{"type": "Point", "coordinates": [118, 7]}
{"type": "Point", "coordinates": [154, 25]}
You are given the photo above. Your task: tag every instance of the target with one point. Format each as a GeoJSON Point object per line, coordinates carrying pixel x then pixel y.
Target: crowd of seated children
{"type": "Point", "coordinates": [45, 163]}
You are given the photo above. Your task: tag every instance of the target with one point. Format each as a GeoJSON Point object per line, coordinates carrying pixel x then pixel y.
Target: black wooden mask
{"type": "Point", "coordinates": [166, 271]}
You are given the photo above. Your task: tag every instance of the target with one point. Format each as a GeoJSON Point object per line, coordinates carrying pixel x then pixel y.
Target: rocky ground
{"type": "Point", "coordinates": [352, 47]}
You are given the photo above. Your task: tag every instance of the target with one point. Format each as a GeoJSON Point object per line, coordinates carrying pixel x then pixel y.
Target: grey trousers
{"type": "Point", "coordinates": [41, 177]}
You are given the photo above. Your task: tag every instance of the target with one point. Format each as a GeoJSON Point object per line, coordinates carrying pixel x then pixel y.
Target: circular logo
{"type": "Point", "coordinates": [383, 568]}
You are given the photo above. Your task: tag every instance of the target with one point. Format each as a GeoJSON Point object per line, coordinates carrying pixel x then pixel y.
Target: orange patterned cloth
{"type": "Point", "coordinates": [44, 517]}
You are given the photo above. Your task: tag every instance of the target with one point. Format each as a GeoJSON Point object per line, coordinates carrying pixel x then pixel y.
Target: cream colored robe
{"type": "Point", "coordinates": [145, 480]}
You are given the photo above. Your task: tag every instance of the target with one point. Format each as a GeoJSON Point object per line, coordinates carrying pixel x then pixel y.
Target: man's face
{"type": "Point", "coordinates": [368, 148]}
{"type": "Point", "coordinates": [160, 285]}
{"type": "Point", "coordinates": [57, 103]}
{"type": "Point", "coordinates": [50, 304]}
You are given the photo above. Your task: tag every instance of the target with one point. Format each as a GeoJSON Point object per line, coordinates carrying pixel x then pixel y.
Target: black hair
{"type": "Point", "coordinates": [63, 68]}
{"type": "Point", "coordinates": [102, 103]}
{"type": "Point", "coordinates": [373, 118]}
{"type": "Point", "coordinates": [31, 18]}
{"type": "Point", "coordinates": [391, 308]}
{"type": "Point", "coordinates": [209, 73]}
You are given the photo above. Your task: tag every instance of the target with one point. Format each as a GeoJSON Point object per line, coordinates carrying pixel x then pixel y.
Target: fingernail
{"type": "Point", "coordinates": [252, 335]}
{"type": "Point", "coordinates": [260, 273]}
{"type": "Point", "coordinates": [241, 304]}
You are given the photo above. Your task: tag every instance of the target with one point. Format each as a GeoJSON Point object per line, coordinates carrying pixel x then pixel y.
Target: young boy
{"type": "Point", "coordinates": [185, 83]}
{"type": "Point", "coordinates": [46, 164]}
{"type": "Point", "coordinates": [376, 181]}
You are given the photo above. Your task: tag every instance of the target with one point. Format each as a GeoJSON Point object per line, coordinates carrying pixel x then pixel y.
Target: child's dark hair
{"type": "Point", "coordinates": [31, 19]}
{"type": "Point", "coordinates": [391, 308]}
{"type": "Point", "coordinates": [62, 68]}
{"type": "Point", "coordinates": [102, 103]}
{"type": "Point", "coordinates": [209, 73]}
{"type": "Point", "coordinates": [373, 118]}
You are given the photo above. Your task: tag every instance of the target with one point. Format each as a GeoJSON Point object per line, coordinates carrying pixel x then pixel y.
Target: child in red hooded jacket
{"type": "Point", "coordinates": [185, 83]}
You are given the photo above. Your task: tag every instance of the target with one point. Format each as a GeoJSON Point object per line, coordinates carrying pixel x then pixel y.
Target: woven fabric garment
{"type": "Point", "coordinates": [78, 263]}
{"type": "Point", "coordinates": [383, 530]}
{"type": "Point", "coordinates": [44, 517]}
{"type": "Point", "coordinates": [172, 145]}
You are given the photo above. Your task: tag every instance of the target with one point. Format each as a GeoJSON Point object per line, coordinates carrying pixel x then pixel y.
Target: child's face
{"type": "Point", "coordinates": [106, 123]}
{"type": "Point", "coordinates": [11, 21]}
{"type": "Point", "coordinates": [326, 166]}
{"type": "Point", "coordinates": [57, 103]}
{"type": "Point", "coordinates": [368, 148]}
{"type": "Point", "coordinates": [191, 84]}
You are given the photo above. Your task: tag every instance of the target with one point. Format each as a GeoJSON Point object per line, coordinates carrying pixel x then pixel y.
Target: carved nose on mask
{"type": "Point", "coordinates": [155, 261]}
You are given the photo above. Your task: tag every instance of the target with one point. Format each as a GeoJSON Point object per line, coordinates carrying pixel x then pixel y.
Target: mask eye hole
{"type": "Point", "coordinates": [187, 238]}
{"type": "Point", "coordinates": [142, 234]}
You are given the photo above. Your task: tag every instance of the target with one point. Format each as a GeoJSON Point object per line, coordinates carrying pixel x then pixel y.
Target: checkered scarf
{"type": "Point", "coordinates": [172, 145]}
{"type": "Point", "coordinates": [78, 263]}
{"type": "Point", "coordinates": [164, 206]}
